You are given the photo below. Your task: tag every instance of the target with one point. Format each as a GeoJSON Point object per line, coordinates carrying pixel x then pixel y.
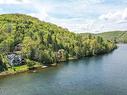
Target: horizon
{"type": "Point", "coordinates": [110, 15]}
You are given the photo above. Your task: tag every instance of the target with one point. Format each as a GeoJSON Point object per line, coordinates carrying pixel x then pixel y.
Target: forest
{"type": "Point", "coordinates": [43, 43]}
{"type": "Point", "coordinates": [116, 36]}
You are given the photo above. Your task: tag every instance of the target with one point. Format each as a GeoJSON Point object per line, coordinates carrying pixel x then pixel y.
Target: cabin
{"type": "Point", "coordinates": [18, 47]}
{"type": "Point", "coordinates": [15, 59]}
{"type": "Point", "coordinates": [60, 55]}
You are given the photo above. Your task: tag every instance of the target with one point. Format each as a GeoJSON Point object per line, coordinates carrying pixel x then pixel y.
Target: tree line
{"type": "Point", "coordinates": [45, 43]}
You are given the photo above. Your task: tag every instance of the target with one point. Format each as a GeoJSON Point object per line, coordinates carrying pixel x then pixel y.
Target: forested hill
{"type": "Point", "coordinates": [117, 36]}
{"type": "Point", "coordinates": [40, 42]}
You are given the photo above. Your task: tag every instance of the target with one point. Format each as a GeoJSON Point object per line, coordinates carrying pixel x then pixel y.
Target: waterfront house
{"type": "Point", "coordinates": [60, 55]}
{"type": "Point", "coordinates": [15, 59]}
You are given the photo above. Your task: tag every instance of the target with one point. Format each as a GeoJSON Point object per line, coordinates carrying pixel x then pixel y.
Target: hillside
{"type": "Point", "coordinates": [117, 36]}
{"type": "Point", "coordinates": [39, 42]}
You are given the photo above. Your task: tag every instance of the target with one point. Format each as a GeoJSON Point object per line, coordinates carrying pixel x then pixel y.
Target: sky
{"type": "Point", "coordinates": [77, 15]}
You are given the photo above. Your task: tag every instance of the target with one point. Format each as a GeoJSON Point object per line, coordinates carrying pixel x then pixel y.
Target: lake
{"type": "Point", "coordinates": [99, 75]}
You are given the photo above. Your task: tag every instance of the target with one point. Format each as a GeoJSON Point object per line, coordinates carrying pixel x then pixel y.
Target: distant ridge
{"type": "Point", "coordinates": [118, 36]}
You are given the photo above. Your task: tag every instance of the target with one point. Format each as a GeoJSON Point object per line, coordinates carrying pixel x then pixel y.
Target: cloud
{"type": "Point", "coordinates": [30, 7]}
{"type": "Point", "coordinates": [118, 16]}
{"type": "Point", "coordinates": [75, 24]}
{"type": "Point", "coordinates": [78, 16]}
{"type": "Point", "coordinates": [111, 16]}
{"type": "Point", "coordinates": [14, 1]}
{"type": "Point", "coordinates": [124, 15]}
{"type": "Point", "coordinates": [42, 10]}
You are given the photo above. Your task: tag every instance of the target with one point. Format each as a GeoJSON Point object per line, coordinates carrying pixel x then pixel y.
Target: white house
{"type": "Point", "coordinates": [15, 59]}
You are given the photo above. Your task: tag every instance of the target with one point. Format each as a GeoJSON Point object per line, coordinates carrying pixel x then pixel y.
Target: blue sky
{"type": "Point", "coordinates": [77, 15]}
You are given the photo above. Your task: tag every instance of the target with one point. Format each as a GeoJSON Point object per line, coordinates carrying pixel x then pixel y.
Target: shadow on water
{"type": "Point", "coordinates": [87, 60]}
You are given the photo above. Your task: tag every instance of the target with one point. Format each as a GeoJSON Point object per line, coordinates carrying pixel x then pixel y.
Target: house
{"type": "Point", "coordinates": [18, 47]}
{"type": "Point", "coordinates": [15, 59]}
{"type": "Point", "coordinates": [60, 55]}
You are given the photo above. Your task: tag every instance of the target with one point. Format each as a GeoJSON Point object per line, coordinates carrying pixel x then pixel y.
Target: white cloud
{"type": "Point", "coordinates": [75, 24]}
{"type": "Point", "coordinates": [124, 15]}
{"type": "Point", "coordinates": [42, 10]}
{"type": "Point", "coordinates": [111, 16]}
{"type": "Point", "coordinates": [119, 16]}
{"type": "Point", "coordinates": [78, 16]}
{"type": "Point", "coordinates": [14, 1]}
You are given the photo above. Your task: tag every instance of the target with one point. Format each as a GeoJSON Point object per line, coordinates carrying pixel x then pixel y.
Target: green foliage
{"type": "Point", "coordinates": [116, 36]}
{"type": "Point", "coordinates": [3, 65]}
{"type": "Point", "coordinates": [92, 45]}
{"type": "Point", "coordinates": [30, 63]}
{"type": "Point", "coordinates": [41, 40]}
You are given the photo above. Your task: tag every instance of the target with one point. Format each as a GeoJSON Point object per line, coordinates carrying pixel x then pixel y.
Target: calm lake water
{"type": "Point", "coordinates": [100, 75]}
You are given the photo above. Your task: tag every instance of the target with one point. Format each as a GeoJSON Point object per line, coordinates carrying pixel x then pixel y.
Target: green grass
{"type": "Point", "coordinates": [21, 68]}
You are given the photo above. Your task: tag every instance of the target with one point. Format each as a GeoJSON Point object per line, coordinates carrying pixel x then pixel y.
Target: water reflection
{"type": "Point", "coordinates": [98, 75]}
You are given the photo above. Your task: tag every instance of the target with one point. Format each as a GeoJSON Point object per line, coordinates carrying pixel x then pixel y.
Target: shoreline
{"type": "Point", "coordinates": [8, 73]}
{"type": "Point", "coordinates": [38, 67]}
